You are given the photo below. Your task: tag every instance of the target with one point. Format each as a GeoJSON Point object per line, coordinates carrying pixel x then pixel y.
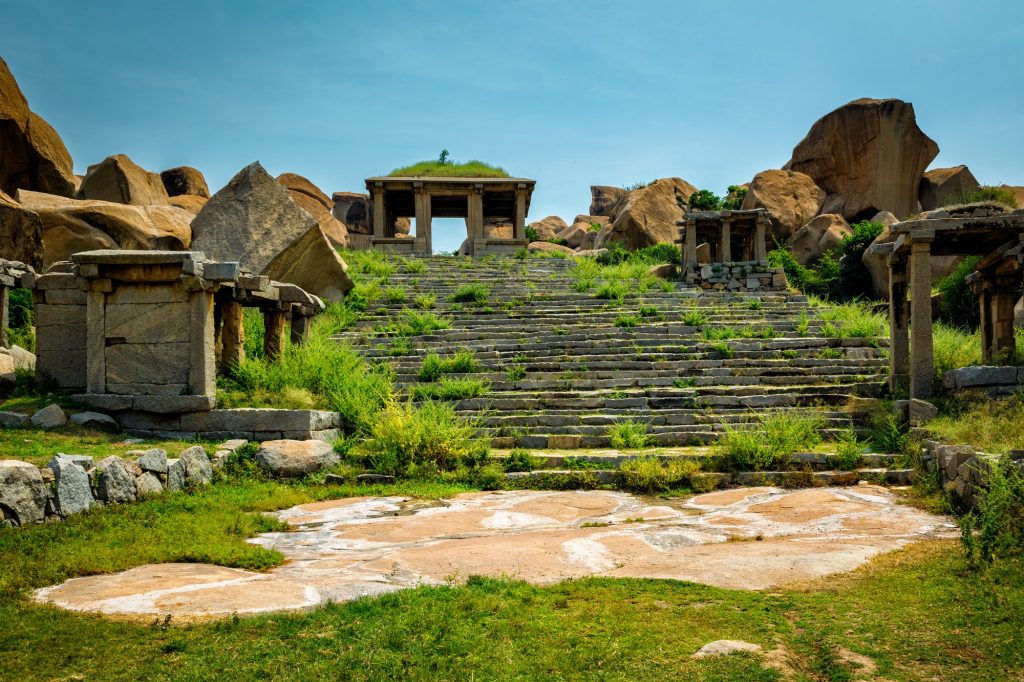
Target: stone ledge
{"type": "Point", "coordinates": [157, 404]}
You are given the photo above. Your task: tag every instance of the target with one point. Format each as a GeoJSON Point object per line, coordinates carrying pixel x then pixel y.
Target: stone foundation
{"type": "Point", "coordinates": [249, 423]}
{"type": "Point", "coordinates": [995, 381]}
{"type": "Point", "coordinates": [743, 276]}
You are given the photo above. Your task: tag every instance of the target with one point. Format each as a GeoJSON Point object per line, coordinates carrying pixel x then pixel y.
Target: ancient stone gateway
{"type": "Point", "coordinates": [726, 250]}
{"type": "Point", "coordinates": [990, 231]}
{"type": "Point", "coordinates": [478, 200]}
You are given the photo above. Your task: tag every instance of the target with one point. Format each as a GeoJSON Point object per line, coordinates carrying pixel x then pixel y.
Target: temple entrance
{"type": "Point", "coordinates": [472, 199]}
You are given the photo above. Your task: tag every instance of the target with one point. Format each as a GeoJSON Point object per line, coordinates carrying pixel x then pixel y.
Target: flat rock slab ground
{"type": "Point", "coordinates": [748, 538]}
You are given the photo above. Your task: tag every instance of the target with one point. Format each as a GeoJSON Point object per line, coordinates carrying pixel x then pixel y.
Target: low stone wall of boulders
{"type": "Point", "coordinates": [749, 276]}
{"type": "Point", "coordinates": [71, 484]}
{"type": "Point", "coordinates": [962, 469]}
{"type": "Point", "coordinates": [993, 380]}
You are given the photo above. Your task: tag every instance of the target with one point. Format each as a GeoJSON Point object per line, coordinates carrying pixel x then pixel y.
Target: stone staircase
{"type": "Point", "coordinates": [583, 374]}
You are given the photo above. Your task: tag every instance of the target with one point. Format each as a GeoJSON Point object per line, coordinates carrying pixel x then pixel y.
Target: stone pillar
{"type": "Point", "coordinates": [475, 213]}
{"type": "Point", "coordinates": [982, 288]}
{"type": "Point", "coordinates": [1003, 341]}
{"type": "Point", "coordinates": [725, 244]}
{"type": "Point", "coordinates": [899, 335]}
{"type": "Point", "coordinates": [422, 203]}
{"type": "Point", "coordinates": [273, 334]}
{"type": "Point", "coordinates": [300, 327]}
{"type": "Point", "coordinates": [96, 346]}
{"type": "Point", "coordinates": [760, 245]}
{"type": "Point", "coordinates": [5, 315]}
{"type": "Point", "coordinates": [232, 336]}
{"type": "Point", "coordinates": [922, 355]}
{"type": "Point", "coordinates": [690, 251]}
{"type": "Point", "coordinates": [519, 214]}
{"type": "Point", "coordinates": [379, 217]}
{"type": "Point", "coordinates": [202, 372]}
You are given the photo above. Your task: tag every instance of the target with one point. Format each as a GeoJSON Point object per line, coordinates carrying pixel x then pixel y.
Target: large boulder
{"type": "Point", "coordinates": [120, 180]}
{"type": "Point", "coordinates": [32, 155]}
{"type": "Point", "coordinates": [821, 234]}
{"type": "Point", "coordinates": [941, 186]}
{"type": "Point", "coordinates": [189, 202]}
{"type": "Point", "coordinates": [604, 199]}
{"type": "Point", "coordinates": [72, 225]}
{"type": "Point", "coordinates": [184, 180]}
{"type": "Point", "coordinates": [869, 156]}
{"type": "Point", "coordinates": [790, 198]}
{"type": "Point", "coordinates": [198, 470]}
{"type": "Point", "coordinates": [548, 227]}
{"type": "Point", "coordinates": [548, 247]}
{"type": "Point", "coordinates": [22, 493]}
{"type": "Point", "coordinates": [314, 202]}
{"type": "Point", "coordinates": [254, 221]}
{"type": "Point", "coordinates": [498, 229]}
{"type": "Point", "coordinates": [295, 458]}
{"type": "Point", "coordinates": [579, 235]}
{"type": "Point", "coordinates": [353, 210]}
{"type": "Point", "coordinates": [21, 233]}
{"type": "Point", "coordinates": [648, 215]}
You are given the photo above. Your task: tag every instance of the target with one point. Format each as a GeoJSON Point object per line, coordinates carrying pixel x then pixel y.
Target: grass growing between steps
{"type": "Point", "coordinates": [769, 445]}
{"type": "Point", "coordinates": [914, 614]}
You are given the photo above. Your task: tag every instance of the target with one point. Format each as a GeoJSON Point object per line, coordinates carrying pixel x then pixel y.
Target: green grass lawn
{"type": "Point", "coordinates": [917, 614]}
{"type": "Point", "coordinates": [40, 445]}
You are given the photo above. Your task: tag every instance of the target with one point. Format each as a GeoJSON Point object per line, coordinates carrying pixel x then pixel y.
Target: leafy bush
{"type": "Point", "coordinates": [615, 290]}
{"type": "Point", "coordinates": [471, 293]}
{"type": "Point", "coordinates": [695, 318]}
{"type": "Point", "coordinates": [520, 460]}
{"type": "Point", "coordinates": [958, 306]}
{"type": "Point", "coordinates": [705, 200]}
{"type": "Point", "coordinates": [889, 434]}
{"type": "Point", "coordinates": [723, 349]}
{"type": "Point", "coordinates": [995, 529]}
{"type": "Point", "coordinates": [628, 435]}
{"type": "Point", "coordinates": [405, 436]}
{"type": "Point", "coordinates": [395, 295]}
{"type": "Point", "coordinates": [650, 475]}
{"type": "Point", "coordinates": [849, 452]}
{"type": "Point", "coordinates": [516, 372]}
{"type": "Point", "coordinates": [770, 445]}
{"type": "Point", "coordinates": [531, 234]}
{"type": "Point", "coordinates": [434, 366]}
{"type": "Point", "coordinates": [627, 321]}
{"type": "Point", "coordinates": [734, 198]}
{"type": "Point", "coordinates": [984, 193]}
{"type": "Point", "coordinates": [425, 301]}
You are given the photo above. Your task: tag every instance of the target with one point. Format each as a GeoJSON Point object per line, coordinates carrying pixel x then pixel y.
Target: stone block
{"type": "Point", "coordinates": [984, 375]}
{"type": "Point", "coordinates": [142, 389]}
{"type": "Point", "coordinates": [59, 339]}
{"type": "Point", "coordinates": [175, 474]}
{"type": "Point", "coordinates": [94, 420]}
{"type": "Point", "coordinates": [564, 441]}
{"type": "Point", "coordinates": [921, 412]}
{"type": "Point", "coordinates": [72, 489]}
{"type": "Point", "coordinates": [173, 404]}
{"type": "Point", "coordinates": [146, 323]}
{"type": "Point", "coordinates": [148, 421]}
{"type": "Point", "coordinates": [71, 297]}
{"type": "Point", "coordinates": [11, 419]}
{"type": "Point", "coordinates": [293, 458]}
{"type": "Point", "coordinates": [66, 369]}
{"type": "Point", "coordinates": [255, 419]}
{"type": "Point", "coordinates": [103, 401]}
{"type": "Point", "coordinates": [49, 417]}
{"type": "Point", "coordinates": [145, 293]}
{"type": "Point", "coordinates": [147, 363]}
{"type": "Point", "coordinates": [59, 315]}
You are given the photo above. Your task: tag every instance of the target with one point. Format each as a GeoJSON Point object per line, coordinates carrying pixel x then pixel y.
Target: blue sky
{"type": "Point", "coordinates": [571, 94]}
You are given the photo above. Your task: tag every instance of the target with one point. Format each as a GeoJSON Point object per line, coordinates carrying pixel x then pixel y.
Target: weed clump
{"type": "Point", "coordinates": [770, 445]}
{"type": "Point", "coordinates": [651, 475]}
{"type": "Point", "coordinates": [629, 435]}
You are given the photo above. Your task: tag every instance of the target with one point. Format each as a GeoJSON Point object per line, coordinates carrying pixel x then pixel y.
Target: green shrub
{"type": "Point", "coordinates": [854, 278]}
{"type": "Point", "coordinates": [770, 445]}
{"type": "Point", "coordinates": [559, 241]}
{"type": "Point", "coordinates": [723, 349]}
{"type": "Point", "coordinates": [705, 200]}
{"type": "Point", "coordinates": [401, 346]}
{"type": "Point", "coordinates": [448, 388]}
{"type": "Point", "coordinates": [516, 372]}
{"type": "Point", "coordinates": [627, 321]}
{"type": "Point", "coordinates": [628, 435]}
{"type": "Point", "coordinates": [649, 311]}
{"type": "Point", "coordinates": [425, 301]}
{"type": "Point", "coordinates": [734, 198]}
{"type": "Point", "coordinates": [849, 452]}
{"type": "Point", "coordinates": [694, 318]}
{"type": "Point", "coordinates": [719, 333]}
{"type": "Point", "coordinates": [434, 366]}
{"type": "Point", "coordinates": [413, 323]}
{"type": "Point", "coordinates": [531, 234]}
{"type": "Point", "coordinates": [471, 293]}
{"type": "Point", "coordinates": [414, 265]}
{"type": "Point", "coordinates": [395, 295]}
{"type": "Point", "coordinates": [958, 306]}
{"type": "Point", "coordinates": [995, 529]}
{"type": "Point", "coordinates": [984, 193]}
{"type": "Point", "coordinates": [405, 436]}
{"type": "Point", "coordinates": [521, 460]}
{"type": "Point", "coordinates": [889, 434]}
{"type": "Point", "coordinates": [614, 290]}
{"type": "Point", "coordinates": [650, 475]}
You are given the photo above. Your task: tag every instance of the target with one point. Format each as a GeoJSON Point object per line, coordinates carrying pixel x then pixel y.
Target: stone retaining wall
{"type": "Point", "coordinates": [962, 470]}
{"type": "Point", "coordinates": [993, 380]}
{"type": "Point", "coordinates": [257, 424]}
{"type": "Point", "coordinates": [746, 276]}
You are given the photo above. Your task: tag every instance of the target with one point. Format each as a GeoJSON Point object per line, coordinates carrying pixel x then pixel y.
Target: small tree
{"type": "Point", "coordinates": [705, 200]}
{"type": "Point", "coordinates": [443, 158]}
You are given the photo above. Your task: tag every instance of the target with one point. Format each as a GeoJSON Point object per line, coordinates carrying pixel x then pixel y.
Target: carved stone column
{"type": "Point", "coordinates": [922, 354]}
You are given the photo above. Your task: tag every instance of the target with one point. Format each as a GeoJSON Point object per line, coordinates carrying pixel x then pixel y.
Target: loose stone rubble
{"type": "Point", "coordinates": [754, 538]}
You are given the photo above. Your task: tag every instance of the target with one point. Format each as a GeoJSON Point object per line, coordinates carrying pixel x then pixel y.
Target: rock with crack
{"type": "Point", "coordinates": [22, 493]}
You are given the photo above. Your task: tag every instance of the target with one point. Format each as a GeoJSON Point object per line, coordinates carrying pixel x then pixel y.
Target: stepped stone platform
{"type": "Point", "coordinates": [581, 373]}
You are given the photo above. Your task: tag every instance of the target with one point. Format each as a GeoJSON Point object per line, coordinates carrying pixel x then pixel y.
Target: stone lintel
{"type": "Point", "coordinates": [136, 257]}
